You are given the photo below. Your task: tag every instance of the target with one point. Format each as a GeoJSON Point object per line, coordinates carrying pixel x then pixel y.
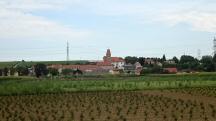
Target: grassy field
{"type": "Point", "coordinates": [15, 86]}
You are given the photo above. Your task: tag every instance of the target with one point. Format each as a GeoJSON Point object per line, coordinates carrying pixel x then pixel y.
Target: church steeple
{"type": "Point", "coordinates": [108, 53]}
{"type": "Point", "coordinates": [108, 56]}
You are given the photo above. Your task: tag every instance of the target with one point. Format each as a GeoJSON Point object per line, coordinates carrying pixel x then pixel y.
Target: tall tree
{"type": "Point", "coordinates": [22, 70]}
{"type": "Point", "coordinates": [40, 70]}
{"type": "Point", "coordinates": [131, 60]}
{"type": "Point", "coordinates": [5, 70]}
{"type": "Point", "coordinates": [164, 58]}
{"type": "Point", "coordinates": [214, 58]}
{"type": "Point", "coordinates": [141, 60]}
{"type": "Point", "coordinates": [176, 59]}
{"type": "Point", "coordinates": [53, 71]}
{"type": "Point", "coordinates": [12, 71]}
{"type": "Point", "coordinates": [207, 63]}
{"type": "Point", "coordinates": [1, 72]}
{"type": "Point", "coordinates": [214, 61]}
{"type": "Point", "coordinates": [188, 62]}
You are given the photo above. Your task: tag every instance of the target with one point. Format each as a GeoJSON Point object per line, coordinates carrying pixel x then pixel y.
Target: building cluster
{"type": "Point", "coordinates": [111, 65]}
{"type": "Point", "coordinates": [108, 65]}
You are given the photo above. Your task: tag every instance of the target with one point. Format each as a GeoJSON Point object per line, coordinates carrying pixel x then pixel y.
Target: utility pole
{"type": "Point", "coordinates": [68, 50]}
{"type": "Point", "coordinates": [199, 54]}
{"type": "Point", "coordinates": [214, 47]}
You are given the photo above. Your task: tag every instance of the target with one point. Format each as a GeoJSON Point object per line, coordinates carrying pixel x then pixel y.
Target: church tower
{"type": "Point", "coordinates": [108, 53]}
{"type": "Point", "coordinates": [108, 56]}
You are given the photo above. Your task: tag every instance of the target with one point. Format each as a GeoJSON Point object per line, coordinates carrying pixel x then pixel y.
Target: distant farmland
{"type": "Point", "coordinates": [30, 63]}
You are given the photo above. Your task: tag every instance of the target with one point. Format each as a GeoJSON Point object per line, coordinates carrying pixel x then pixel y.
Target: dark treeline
{"type": "Point", "coordinates": [185, 63]}
{"type": "Point", "coordinates": [38, 70]}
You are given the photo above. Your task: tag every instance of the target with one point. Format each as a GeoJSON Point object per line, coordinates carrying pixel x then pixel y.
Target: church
{"type": "Point", "coordinates": [117, 62]}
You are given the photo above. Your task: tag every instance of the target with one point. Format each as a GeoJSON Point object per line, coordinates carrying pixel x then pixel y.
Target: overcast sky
{"type": "Point", "coordinates": [39, 29]}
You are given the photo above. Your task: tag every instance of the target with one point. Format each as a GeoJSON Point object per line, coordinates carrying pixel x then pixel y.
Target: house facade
{"type": "Point", "coordinates": [133, 68]}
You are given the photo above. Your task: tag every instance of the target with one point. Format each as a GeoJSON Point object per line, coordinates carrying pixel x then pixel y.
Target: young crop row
{"type": "Point", "coordinates": [198, 91]}
{"type": "Point", "coordinates": [31, 86]}
{"type": "Point", "coordinates": [104, 106]}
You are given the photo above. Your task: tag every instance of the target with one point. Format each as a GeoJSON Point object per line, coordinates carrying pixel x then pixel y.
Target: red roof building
{"type": "Point", "coordinates": [117, 59]}
{"type": "Point", "coordinates": [103, 64]}
{"type": "Point", "coordinates": [171, 70]}
{"type": "Point", "coordinates": [98, 68]}
{"type": "Point", "coordinates": [117, 62]}
{"type": "Point", "coordinates": [109, 58]}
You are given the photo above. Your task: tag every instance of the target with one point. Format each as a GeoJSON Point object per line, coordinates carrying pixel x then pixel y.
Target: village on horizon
{"type": "Point", "coordinates": [129, 65]}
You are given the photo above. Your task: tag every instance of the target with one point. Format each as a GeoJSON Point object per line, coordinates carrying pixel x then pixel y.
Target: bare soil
{"type": "Point", "coordinates": [150, 105]}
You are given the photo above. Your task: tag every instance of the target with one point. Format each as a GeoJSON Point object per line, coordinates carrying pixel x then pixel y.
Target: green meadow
{"type": "Point", "coordinates": [31, 85]}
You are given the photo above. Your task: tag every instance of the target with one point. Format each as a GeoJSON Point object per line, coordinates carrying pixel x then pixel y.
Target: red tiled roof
{"type": "Point", "coordinates": [104, 63]}
{"type": "Point", "coordinates": [117, 59]}
{"type": "Point", "coordinates": [57, 66]}
{"type": "Point", "coordinates": [81, 67]}
{"type": "Point", "coordinates": [101, 67]}
{"type": "Point", "coordinates": [171, 70]}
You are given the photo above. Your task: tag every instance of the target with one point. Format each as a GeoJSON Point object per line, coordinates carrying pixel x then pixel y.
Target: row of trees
{"type": "Point", "coordinates": [185, 63]}
{"type": "Point", "coordinates": [207, 63]}
{"type": "Point", "coordinates": [23, 70]}
{"type": "Point", "coordinates": [38, 69]}
{"type": "Point", "coordinates": [41, 70]}
{"type": "Point", "coordinates": [4, 71]}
